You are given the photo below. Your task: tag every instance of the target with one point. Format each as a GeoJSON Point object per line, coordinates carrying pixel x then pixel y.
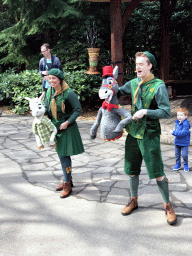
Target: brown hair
{"type": "Point", "coordinates": [46, 45]}
{"type": "Point", "coordinates": [184, 110]}
{"type": "Point", "coordinates": [142, 54]}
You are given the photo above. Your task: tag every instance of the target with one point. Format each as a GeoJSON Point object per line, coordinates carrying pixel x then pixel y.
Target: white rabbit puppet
{"type": "Point", "coordinates": [43, 128]}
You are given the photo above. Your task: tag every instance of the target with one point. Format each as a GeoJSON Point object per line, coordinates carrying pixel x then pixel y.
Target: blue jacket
{"type": "Point", "coordinates": [55, 63]}
{"type": "Point", "coordinates": [182, 133]}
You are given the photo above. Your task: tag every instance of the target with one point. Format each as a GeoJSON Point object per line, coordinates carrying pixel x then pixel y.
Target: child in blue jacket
{"type": "Point", "coordinates": [182, 139]}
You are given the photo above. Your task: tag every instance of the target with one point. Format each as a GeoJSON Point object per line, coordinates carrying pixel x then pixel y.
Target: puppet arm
{"type": "Point", "coordinates": [39, 143]}
{"type": "Point", "coordinates": [127, 118]}
{"type": "Point", "coordinates": [52, 138]}
{"type": "Point", "coordinates": [94, 128]}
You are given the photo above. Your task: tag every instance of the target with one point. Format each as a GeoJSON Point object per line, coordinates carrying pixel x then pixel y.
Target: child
{"type": "Point", "coordinates": [182, 139]}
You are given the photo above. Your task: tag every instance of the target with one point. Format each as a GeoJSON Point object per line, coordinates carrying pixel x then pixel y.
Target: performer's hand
{"type": "Point", "coordinates": [64, 125]}
{"type": "Point", "coordinates": [139, 114]}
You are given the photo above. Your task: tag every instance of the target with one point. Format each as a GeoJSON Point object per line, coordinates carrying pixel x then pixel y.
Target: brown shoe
{"type": "Point", "coordinates": [132, 205]}
{"type": "Point", "coordinates": [66, 190]}
{"type": "Point", "coordinates": [60, 187]}
{"type": "Point", "coordinates": [169, 212]}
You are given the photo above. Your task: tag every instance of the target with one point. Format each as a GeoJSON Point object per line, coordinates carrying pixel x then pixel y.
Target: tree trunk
{"type": "Point", "coordinates": [116, 37]}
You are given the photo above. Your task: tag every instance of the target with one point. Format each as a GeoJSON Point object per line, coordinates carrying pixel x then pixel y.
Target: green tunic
{"type": "Point", "coordinates": [153, 97]}
{"type": "Point", "coordinates": [68, 141]}
{"type": "Point", "coordinates": [143, 140]}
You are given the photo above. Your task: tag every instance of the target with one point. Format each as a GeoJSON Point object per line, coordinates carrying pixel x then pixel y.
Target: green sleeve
{"type": "Point", "coordinates": [76, 106]}
{"type": "Point", "coordinates": [162, 99]}
{"type": "Point", "coordinates": [125, 89]}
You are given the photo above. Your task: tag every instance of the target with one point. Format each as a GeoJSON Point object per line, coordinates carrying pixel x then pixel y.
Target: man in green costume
{"type": "Point", "coordinates": [150, 102]}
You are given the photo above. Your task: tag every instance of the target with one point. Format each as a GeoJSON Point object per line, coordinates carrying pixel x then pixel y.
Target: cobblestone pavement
{"type": "Point", "coordinates": [98, 173]}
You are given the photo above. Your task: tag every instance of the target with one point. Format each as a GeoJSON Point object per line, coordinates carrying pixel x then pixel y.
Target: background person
{"type": "Point", "coordinates": [182, 139]}
{"type": "Point", "coordinates": [63, 107]}
{"type": "Point", "coordinates": [46, 63]}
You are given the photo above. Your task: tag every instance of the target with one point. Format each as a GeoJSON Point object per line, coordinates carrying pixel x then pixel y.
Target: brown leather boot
{"type": "Point", "coordinates": [66, 190]}
{"type": "Point", "coordinates": [60, 187]}
{"type": "Point", "coordinates": [169, 212]}
{"type": "Point", "coordinates": [132, 205]}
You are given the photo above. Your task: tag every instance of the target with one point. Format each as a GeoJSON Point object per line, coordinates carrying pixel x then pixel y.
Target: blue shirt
{"type": "Point", "coordinates": [182, 133]}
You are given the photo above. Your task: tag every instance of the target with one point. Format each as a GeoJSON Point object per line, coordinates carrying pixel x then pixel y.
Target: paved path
{"type": "Point", "coordinates": [98, 173]}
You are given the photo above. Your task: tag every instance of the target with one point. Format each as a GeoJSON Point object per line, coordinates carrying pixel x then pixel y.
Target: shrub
{"type": "Point", "coordinates": [85, 86]}
{"type": "Point", "coordinates": [15, 87]}
{"type": "Point", "coordinates": [6, 92]}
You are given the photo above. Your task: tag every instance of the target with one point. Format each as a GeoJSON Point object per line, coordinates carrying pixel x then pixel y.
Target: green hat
{"type": "Point", "coordinates": [56, 72]}
{"type": "Point", "coordinates": [152, 59]}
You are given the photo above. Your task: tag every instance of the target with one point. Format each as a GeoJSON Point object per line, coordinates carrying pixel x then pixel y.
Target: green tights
{"type": "Point", "coordinates": [162, 185]}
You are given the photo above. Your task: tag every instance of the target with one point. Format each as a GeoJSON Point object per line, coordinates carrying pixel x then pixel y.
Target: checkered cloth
{"type": "Point", "coordinates": [43, 129]}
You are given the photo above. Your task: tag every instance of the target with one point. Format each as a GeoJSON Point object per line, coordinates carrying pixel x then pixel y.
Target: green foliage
{"type": "Point", "coordinates": [26, 24]}
{"type": "Point", "coordinates": [181, 34]}
{"type": "Point", "coordinates": [6, 93]}
{"type": "Point", "coordinates": [32, 17]}
{"type": "Point", "coordinates": [15, 87]}
{"type": "Point", "coordinates": [85, 86]}
{"type": "Point", "coordinates": [142, 33]}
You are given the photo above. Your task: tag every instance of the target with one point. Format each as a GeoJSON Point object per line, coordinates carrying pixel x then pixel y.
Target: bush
{"type": "Point", "coordinates": [15, 87]}
{"type": "Point", "coordinates": [6, 92]}
{"type": "Point", "coordinates": [85, 86]}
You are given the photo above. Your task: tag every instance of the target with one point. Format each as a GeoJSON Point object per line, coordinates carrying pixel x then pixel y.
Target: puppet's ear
{"type": "Point", "coordinates": [115, 72]}
{"type": "Point", "coordinates": [42, 96]}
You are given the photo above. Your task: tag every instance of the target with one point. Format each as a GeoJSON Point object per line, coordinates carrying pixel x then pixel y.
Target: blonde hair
{"type": "Point", "coordinates": [142, 54]}
{"type": "Point", "coordinates": [184, 110]}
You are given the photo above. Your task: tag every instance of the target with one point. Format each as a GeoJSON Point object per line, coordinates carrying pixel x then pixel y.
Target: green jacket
{"type": "Point", "coordinates": [68, 141]}
{"type": "Point", "coordinates": [152, 96]}
{"type": "Point", "coordinates": [72, 106]}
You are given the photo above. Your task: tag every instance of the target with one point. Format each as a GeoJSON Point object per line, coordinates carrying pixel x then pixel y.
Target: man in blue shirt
{"type": "Point", "coordinates": [46, 63]}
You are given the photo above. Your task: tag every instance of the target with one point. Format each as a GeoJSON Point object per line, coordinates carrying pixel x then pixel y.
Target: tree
{"type": "Point", "coordinates": [29, 18]}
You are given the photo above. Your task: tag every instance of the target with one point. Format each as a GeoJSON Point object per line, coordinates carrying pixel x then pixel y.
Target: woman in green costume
{"type": "Point", "coordinates": [63, 108]}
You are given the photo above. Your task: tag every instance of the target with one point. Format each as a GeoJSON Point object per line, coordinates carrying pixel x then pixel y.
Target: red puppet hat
{"type": "Point", "coordinates": [107, 71]}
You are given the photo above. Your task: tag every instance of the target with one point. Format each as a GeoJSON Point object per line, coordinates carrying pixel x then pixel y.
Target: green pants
{"type": "Point", "coordinates": [147, 149]}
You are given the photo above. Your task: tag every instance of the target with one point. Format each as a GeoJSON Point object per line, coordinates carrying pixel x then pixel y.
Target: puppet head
{"type": "Point", "coordinates": [36, 105]}
{"type": "Point", "coordinates": [109, 86]}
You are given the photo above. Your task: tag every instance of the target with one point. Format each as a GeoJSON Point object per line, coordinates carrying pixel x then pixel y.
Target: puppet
{"type": "Point", "coordinates": [43, 128]}
{"type": "Point", "coordinates": [111, 118]}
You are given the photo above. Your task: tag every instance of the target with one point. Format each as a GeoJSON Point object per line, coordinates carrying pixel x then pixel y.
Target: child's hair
{"type": "Point", "coordinates": [184, 110]}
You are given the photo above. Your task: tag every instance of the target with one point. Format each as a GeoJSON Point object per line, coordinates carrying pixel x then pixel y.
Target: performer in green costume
{"type": "Point", "coordinates": [63, 107]}
{"type": "Point", "coordinates": [150, 102]}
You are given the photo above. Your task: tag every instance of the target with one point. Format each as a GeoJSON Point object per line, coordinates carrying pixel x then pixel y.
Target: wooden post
{"type": "Point", "coordinates": [116, 37]}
